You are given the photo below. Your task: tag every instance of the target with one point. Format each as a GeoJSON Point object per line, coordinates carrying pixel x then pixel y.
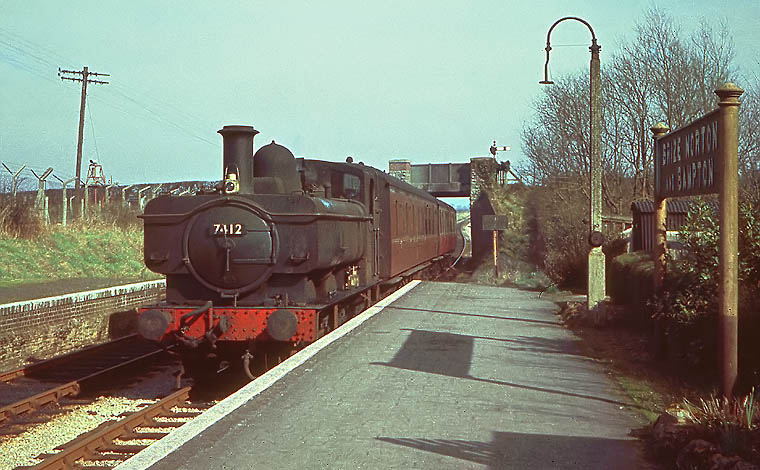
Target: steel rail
{"type": "Point", "coordinates": [48, 363]}
{"type": "Point", "coordinates": [53, 395]}
{"type": "Point", "coordinates": [35, 402]}
{"type": "Point", "coordinates": [12, 374]}
{"type": "Point", "coordinates": [94, 444]}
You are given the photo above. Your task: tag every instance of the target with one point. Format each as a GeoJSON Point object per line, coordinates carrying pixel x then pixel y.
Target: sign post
{"type": "Point", "coordinates": [659, 244]}
{"type": "Point", "coordinates": [495, 223]}
{"type": "Point", "coordinates": [701, 158]}
{"type": "Point", "coordinates": [728, 148]}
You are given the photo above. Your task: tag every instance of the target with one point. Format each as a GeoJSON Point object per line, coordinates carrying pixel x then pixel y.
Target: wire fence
{"type": "Point", "coordinates": [57, 201]}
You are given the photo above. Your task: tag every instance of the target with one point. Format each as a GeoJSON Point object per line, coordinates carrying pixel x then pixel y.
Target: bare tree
{"type": "Point", "coordinates": [666, 56]}
{"type": "Point", "coordinates": [749, 129]}
{"type": "Point", "coordinates": [749, 140]}
{"type": "Point", "coordinates": [632, 93]}
{"type": "Point", "coordinates": [660, 75]}
{"type": "Point", "coordinates": [712, 56]}
{"type": "Point", "coordinates": [556, 141]}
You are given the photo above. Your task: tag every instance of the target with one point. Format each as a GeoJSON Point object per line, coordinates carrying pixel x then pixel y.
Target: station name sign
{"type": "Point", "coordinates": [686, 159]}
{"type": "Point", "coordinates": [495, 222]}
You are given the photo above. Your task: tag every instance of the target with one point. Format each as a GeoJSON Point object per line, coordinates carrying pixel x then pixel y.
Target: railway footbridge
{"type": "Point", "coordinates": [460, 180]}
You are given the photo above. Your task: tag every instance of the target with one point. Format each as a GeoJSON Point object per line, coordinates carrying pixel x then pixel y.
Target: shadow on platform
{"type": "Point", "coordinates": [509, 450]}
{"type": "Point", "coordinates": [450, 354]}
{"type": "Point", "coordinates": [478, 315]}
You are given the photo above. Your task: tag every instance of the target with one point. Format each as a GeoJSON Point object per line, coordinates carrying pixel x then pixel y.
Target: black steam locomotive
{"type": "Point", "coordinates": [282, 252]}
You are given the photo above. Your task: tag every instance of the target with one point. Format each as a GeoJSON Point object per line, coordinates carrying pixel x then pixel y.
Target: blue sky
{"type": "Point", "coordinates": [422, 80]}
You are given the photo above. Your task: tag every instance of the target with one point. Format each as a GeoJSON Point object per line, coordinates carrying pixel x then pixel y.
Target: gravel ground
{"type": "Point", "coordinates": [21, 387]}
{"type": "Point", "coordinates": [75, 419]}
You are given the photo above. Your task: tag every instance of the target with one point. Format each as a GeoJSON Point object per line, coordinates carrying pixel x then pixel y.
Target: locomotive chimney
{"type": "Point", "coordinates": [238, 155]}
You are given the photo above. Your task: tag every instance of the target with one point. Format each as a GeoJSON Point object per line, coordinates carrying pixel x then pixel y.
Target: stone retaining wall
{"type": "Point", "coordinates": [39, 329]}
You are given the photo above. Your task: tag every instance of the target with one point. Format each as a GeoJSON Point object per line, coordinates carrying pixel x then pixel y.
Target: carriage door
{"type": "Point", "coordinates": [375, 229]}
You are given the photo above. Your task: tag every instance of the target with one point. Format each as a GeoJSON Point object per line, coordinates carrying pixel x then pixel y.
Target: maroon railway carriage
{"type": "Point", "coordinates": [283, 252]}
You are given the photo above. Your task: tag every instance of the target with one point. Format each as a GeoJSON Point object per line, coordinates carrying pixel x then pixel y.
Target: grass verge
{"type": "Point", "coordinates": [82, 250]}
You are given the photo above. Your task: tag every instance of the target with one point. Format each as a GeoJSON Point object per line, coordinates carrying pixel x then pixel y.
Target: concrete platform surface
{"type": "Point", "coordinates": [450, 375]}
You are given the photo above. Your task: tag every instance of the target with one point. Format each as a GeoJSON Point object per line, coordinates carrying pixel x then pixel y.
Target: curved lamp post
{"type": "Point", "coordinates": [596, 281]}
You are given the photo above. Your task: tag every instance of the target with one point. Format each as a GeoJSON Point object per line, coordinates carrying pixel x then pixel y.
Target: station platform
{"type": "Point", "coordinates": [439, 375]}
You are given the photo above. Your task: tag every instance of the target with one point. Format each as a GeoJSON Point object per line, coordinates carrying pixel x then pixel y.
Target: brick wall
{"type": "Point", "coordinates": [401, 169]}
{"type": "Point", "coordinates": [482, 175]}
{"type": "Point", "coordinates": [43, 328]}
{"type": "Point", "coordinates": [480, 167]}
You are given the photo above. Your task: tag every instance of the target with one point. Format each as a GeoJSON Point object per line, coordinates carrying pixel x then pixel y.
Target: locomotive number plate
{"type": "Point", "coordinates": [227, 229]}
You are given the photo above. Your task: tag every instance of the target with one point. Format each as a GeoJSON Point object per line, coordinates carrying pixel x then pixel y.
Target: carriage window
{"type": "Point", "coordinates": [351, 186]}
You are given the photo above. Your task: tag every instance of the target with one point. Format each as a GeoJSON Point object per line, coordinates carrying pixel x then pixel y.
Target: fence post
{"type": "Point", "coordinates": [40, 203]}
{"type": "Point", "coordinates": [46, 212]}
{"type": "Point", "coordinates": [108, 193]}
{"type": "Point", "coordinates": [14, 184]}
{"type": "Point", "coordinates": [124, 194]}
{"type": "Point", "coordinates": [86, 198]}
{"type": "Point", "coordinates": [140, 201]}
{"type": "Point", "coordinates": [64, 200]}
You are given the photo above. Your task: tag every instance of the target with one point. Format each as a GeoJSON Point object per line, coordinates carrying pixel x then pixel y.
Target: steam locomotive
{"type": "Point", "coordinates": [283, 251]}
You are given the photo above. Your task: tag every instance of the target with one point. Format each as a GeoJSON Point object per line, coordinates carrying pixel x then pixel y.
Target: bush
{"type": "Point", "coordinates": [557, 227]}
{"type": "Point", "coordinates": [630, 278]}
{"type": "Point", "coordinates": [615, 248]}
{"type": "Point", "coordinates": [689, 306]}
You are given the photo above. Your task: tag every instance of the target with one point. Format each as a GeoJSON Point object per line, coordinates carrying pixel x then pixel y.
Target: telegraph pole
{"type": "Point", "coordinates": [84, 74]}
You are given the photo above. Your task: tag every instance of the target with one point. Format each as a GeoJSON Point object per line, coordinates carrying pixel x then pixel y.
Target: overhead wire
{"type": "Point", "coordinates": [27, 173]}
{"type": "Point", "coordinates": [147, 96]}
{"type": "Point", "coordinates": [14, 62]}
{"type": "Point", "coordinates": [42, 50]}
{"type": "Point", "coordinates": [38, 60]}
{"type": "Point", "coordinates": [94, 139]}
{"type": "Point", "coordinates": [162, 119]}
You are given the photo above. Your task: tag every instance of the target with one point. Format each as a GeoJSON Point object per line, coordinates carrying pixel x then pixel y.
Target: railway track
{"type": "Point", "coordinates": [113, 442]}
{"type": "Point", "coordinates": [68, 375]}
